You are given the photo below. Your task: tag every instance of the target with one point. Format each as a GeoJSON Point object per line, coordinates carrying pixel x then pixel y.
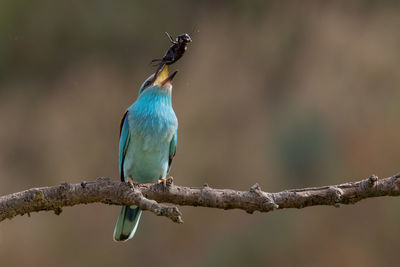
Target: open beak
{"type": "Point", "coordinates": [169, 78]}
{"type": "Point", "coordinates": [163, 77]}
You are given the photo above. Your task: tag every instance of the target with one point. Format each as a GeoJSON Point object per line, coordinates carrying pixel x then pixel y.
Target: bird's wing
{"type": "Point", "coordinates": [124, 139]}
{"type": "Point", "coordinates": [172, 149]}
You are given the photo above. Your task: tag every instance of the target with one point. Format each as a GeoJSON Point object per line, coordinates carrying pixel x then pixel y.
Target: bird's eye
{"type": "Point", "coordinates": [147, 84]}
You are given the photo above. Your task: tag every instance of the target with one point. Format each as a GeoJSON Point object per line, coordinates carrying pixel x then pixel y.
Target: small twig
{"type": "Point", "coordinates": [149, 196]}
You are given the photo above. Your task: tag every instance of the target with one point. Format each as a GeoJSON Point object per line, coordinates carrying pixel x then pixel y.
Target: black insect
{"type": "Point", "coordinates": [176, 50]}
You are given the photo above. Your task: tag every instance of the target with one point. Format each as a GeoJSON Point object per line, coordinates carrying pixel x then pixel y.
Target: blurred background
{"type": "Point", "coordinates": [287, 95]}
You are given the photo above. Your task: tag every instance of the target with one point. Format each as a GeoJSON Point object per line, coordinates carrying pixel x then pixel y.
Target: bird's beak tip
{"type": "Point", "coordinates": [170, 78]}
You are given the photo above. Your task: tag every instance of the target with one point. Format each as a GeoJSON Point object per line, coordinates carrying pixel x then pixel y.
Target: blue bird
{"type": "Point", "coordinates": [148, 138]}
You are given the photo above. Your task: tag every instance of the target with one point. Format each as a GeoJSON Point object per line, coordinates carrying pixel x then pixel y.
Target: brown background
{"type": "Point", "coordinates": [288, 95]}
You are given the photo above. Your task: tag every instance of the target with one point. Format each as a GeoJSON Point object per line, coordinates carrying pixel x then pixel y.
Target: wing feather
{"type": "Point", "coordinates": [124, 139]}
{"type": "Point", "coordinates": [172, 149]}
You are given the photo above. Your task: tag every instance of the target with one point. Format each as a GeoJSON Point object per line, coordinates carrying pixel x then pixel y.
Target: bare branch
{"type": "Point", "coordinates": [150, 196]}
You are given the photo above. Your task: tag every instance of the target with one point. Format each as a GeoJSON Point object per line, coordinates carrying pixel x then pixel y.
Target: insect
{"type": "Point", "coordinates": [175, 51]}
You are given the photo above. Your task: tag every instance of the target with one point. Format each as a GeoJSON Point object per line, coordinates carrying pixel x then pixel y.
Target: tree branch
{"type": "Point", "coordinates": [151, 196]}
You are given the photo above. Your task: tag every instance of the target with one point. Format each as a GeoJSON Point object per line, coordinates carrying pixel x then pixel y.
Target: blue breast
{"type": "Point", "coordinates": [152, 124]}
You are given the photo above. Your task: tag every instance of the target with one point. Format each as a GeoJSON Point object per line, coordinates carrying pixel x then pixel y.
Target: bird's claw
{"type": "Point", "coordinates": [131, 182]}
{"type": "Point", "coordinates": [163, 181]}
{"type": "Point", "coordinates": [167, 182]}
{"type": "Point", "coordinates": [170, 180]}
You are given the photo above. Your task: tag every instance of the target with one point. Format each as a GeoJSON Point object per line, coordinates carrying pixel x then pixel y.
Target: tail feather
{"type": "Point", "coordinates": [127, 223]}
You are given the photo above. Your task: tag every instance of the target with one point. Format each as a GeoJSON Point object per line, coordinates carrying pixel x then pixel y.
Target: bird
{"type": "Point", "coordinates": [148, 140]}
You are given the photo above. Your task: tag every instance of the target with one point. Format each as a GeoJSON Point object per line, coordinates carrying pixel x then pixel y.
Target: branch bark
{"type": "Point", "coordinates": [152, 197]}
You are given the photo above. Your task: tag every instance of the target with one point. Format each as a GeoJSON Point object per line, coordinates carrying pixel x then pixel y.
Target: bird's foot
{"type": "Point", "coordinates": [163, 181]}
{"type": "Point", "coordinates": [131, 182]}
{"type": "Point", "coordinates": [170, 181]}
{"type": "Point", "coordinates": [166, 182]}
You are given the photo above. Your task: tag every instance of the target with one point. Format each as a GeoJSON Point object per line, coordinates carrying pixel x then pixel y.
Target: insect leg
{"type": "Point", "coordinates": [170, 38]}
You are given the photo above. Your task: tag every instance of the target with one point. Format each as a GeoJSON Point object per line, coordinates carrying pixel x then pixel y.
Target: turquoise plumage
{"type": "Point", "coordinates": [148, 139]}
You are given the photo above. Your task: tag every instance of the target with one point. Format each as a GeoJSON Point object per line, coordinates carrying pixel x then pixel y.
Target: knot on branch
{"type": "Point", "coordinates": [335, 194]}
{"type": "Point", "coordinates": [369, 183]}
{"type": "Point", "coordinates": [255, 188]}
{"type": "Point", "coordinates": [266, 199]}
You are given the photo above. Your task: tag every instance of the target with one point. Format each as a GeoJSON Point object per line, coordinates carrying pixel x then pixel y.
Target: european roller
{"type": "Point", "coordinates": [148, 137]}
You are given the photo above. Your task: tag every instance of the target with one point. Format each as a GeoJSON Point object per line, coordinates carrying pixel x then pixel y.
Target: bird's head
{"type": "Point", "coordinates": [160, 80]}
